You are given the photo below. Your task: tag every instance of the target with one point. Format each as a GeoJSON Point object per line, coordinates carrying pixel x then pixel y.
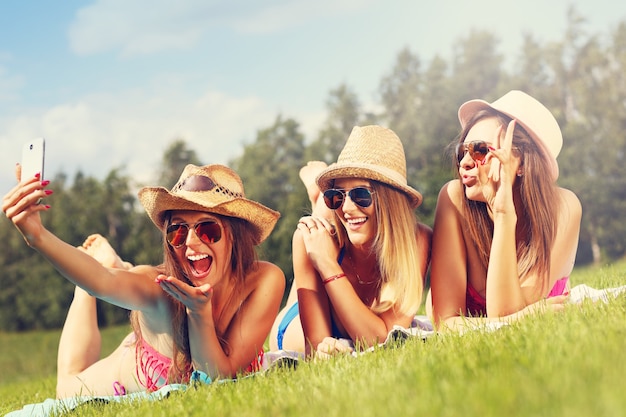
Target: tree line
{"type": "Point", "coordinates": [579, 78]}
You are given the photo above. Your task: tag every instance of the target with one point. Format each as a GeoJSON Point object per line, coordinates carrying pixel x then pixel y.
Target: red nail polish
{"type": "Point", "coordinates": [491, 148]}
{"type": "Point", "coordinates": [48, 192]}
{"type": "Point", "coordinates": [47, 206]}
{"type": "Point", "coordinates": [38, 175]}
{"type": "Point", "coordinates": [44, 182]}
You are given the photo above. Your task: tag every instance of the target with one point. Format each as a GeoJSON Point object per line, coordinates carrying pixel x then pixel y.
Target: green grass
{"type": "Point", "coordinates": [567, 364]}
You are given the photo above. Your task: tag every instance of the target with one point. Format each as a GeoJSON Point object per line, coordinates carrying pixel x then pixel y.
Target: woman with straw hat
{"type": "Point", "coordinates": [505, 235]}
{"type": "Point", "coordinates": [208, 307]}
{"type": "Point", "coordinates": [361, 273]}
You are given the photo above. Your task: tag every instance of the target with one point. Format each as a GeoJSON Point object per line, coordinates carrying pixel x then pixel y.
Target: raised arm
{"type": "Point", "coordinates": [131, 290]}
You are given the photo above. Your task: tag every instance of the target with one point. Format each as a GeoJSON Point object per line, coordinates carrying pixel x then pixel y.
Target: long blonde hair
{"type": "Point", "coordinates": [540, 201]}
{"type": "Point", "coordinates": [396, 250]}
{"type": "Point", "coordinates": [243, 259]}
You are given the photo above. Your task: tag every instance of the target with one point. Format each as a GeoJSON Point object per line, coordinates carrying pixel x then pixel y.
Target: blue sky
{"type": "Point", "coordinates": [113, 82]}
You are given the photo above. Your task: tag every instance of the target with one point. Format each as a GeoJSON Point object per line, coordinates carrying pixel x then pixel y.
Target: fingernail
{"type": "Point", "coordinates": [48, 192]}
{"type": "Point", "coordinates": [37, 175]}
{"type": "Point", "coordinates": [47, 206]}
{"type": "Point", "coordinates": [491, 148]}
{"type": "Point", "coordinates": [44, 182]}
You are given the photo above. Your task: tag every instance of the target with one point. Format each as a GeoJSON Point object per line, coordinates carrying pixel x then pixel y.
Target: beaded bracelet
{"type": "Point", "coordinates": [334, 277]}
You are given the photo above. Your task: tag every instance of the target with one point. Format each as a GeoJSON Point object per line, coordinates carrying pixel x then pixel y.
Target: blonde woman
{"type": "Point", "coordinates": [209, 307]}
{"type": "Point", "coordinates": [361, 273]}
{"type": "Point", "coordinates": [505, 235]}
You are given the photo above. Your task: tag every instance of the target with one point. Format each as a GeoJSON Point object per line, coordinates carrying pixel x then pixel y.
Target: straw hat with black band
{"type": "Point", "coordinates": [213, 189]}
{"type": "Point", "coordinates": [373, 153]}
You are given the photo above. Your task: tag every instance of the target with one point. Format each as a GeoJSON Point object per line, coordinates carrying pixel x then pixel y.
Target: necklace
{"type": "Point", "coordinates": [358, 278]}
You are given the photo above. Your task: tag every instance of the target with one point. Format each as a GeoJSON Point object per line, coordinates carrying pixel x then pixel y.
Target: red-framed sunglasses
{"type": "Point", "coordinates": [208, 231]}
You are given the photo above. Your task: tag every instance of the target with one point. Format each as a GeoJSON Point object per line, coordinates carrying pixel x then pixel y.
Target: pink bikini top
{"type": "Point", "coordinates": [476, 304]}
{"type": "Point", "coordinates": [152, 367]}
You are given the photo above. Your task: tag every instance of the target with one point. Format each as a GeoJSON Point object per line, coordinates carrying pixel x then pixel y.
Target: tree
{"type": "Point", "coordinates": [175, 159]}
{"type": "Point", "coordinates": [269, 170]}
{"type": "Point", "coordinates": [344, 113]}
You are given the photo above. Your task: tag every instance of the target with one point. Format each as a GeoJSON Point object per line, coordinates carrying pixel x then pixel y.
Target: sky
{"type": "Point", "coordinates": [111, 83]}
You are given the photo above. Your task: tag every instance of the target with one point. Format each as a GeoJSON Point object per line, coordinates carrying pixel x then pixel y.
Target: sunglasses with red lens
{"type": "Point", "coordinates": [361, 196]}
{"type": "Point", "coordinates": [477, 149]}
{"type": "Point", "coordinates": [207, 231]}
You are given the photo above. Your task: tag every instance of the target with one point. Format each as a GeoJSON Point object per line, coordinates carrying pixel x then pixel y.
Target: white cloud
{"type": "Point", "coordinates": [149, 26]}
{"type": "Point", "coordinates": [100, 132]}
{"type": "Point", "coordinates": [9, 83]}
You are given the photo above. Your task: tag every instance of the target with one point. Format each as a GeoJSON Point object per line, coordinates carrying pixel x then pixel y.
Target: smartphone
{"type": "Point", "coordinates": [33, 156]}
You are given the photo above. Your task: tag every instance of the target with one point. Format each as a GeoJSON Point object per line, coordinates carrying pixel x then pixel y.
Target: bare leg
{"type": "Point", "coordinates": [79, 346]}
{"type": "Point", "coordinates": [293, 338]}
{"type": "Point", "coordinates": [308, 173]}
{"type": "Point", "coordinates": [80, 343]}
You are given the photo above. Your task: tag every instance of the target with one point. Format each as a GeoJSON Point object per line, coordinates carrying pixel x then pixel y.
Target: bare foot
{"type": "Point", "coordinates": [308, 173]}
{"type": "Point", "coordinates": [101, 250]}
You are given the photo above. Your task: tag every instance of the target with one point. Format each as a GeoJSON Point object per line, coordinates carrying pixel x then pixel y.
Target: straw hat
{"type": "Point", "coordinates": [533, 116]}
{"type": "Point", "coordinates": [213, 189]}
{"type": "Point", "coordinates": [373, 153]}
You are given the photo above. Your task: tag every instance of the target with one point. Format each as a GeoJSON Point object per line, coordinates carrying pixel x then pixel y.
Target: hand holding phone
{"type": "Point", "coordinates": [33, 156]}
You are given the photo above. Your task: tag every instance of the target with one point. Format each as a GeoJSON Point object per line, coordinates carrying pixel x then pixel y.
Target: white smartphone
{"type": "Point", "coordinates": [33, 156]}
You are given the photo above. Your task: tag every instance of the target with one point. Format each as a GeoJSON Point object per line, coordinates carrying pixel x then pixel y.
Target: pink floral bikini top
{"type": "Point", "coordinates": [476, 304]}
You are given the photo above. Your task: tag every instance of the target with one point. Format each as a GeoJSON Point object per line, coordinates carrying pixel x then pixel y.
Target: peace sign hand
{"type": "Point", "coordinates": [502, 171]}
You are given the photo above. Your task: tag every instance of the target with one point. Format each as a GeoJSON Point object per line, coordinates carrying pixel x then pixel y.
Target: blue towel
{"type": "Point", "coordinates": [55, 407]}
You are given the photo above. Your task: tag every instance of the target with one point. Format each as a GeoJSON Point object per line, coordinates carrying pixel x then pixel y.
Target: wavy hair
{"type": "Point", "coordinates": [540, 206]}
{"type": "Point", "coordinates": [396, 250]}
{"type": "Point", "coordinates": [243, 259]}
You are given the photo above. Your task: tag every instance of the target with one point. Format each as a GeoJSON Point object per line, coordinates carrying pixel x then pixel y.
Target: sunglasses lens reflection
{"type": "Point", "coordinates": [477, 149]}
{"type": "Point", "coordinates": [208, 232]}
{"type": "Point", "coordinates": [177, 234]}
{"type": "Point", "coordinates": [360, 196]}
{"type": "Point", "coordinates": [333, 199]}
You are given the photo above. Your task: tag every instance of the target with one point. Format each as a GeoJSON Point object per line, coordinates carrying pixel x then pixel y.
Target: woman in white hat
{"type": "Point", "coordinates": [208, 307]}
{"type": "Point", "coordinates": [505, 235]}
{"type": "Point", "coordinates": [361, 273]}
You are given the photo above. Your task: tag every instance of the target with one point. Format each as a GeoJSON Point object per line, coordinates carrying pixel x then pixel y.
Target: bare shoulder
{"type": "Point", "coordinates": [569, 197]}
{"type": "Point", "coordinates": [571, 203]}
{"type": "Point", "coordinates": [267, 273]}
{"type": "Point", "coordinates": [424, 233]}
{"type": "Point", "coordinates": [451, 194]}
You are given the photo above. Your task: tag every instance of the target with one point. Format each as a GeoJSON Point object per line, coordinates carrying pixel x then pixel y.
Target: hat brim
{"type": "Point", "coordinates": [470, 108]}
{"type": "Point", "coordinates": [158, 200]}
{"type": "Point", "coordinates": [371, 172]}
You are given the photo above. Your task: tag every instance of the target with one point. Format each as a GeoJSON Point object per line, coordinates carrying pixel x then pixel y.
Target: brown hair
{"type": "Point", "coordinates": [243, 258]}
{"type": "Point", "coordinates": [540, 203]}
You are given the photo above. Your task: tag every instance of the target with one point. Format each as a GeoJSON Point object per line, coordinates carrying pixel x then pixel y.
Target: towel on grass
{"type": "Point", "coordinates": [420, 327]}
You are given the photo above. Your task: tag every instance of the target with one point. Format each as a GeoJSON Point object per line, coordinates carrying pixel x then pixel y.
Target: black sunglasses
{"type": "Point", "coordinates": [477, 149]}
{"type": "Point", "coordinates": [208, 231]}
{"type": "Point", "coordinates": [360, 196]}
